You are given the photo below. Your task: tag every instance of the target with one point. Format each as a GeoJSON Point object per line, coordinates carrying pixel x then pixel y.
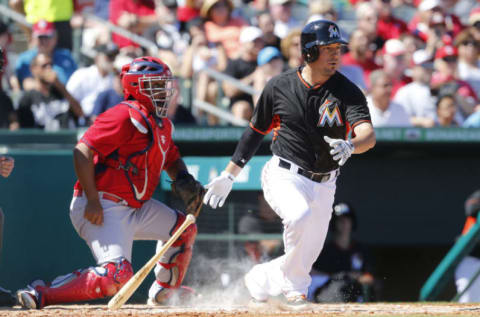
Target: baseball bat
{"type": "Point", "coordinates": [134, 282]}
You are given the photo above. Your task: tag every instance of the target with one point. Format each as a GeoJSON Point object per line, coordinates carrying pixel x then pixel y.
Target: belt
{"type": "Point", "coordinates": [103, 195]}
{"type": "Point", "coordinates": [316, 177]}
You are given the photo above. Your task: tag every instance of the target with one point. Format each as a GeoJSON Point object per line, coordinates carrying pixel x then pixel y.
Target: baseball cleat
{"type": "Point", "coordinates": [29, 297]}
{"type": "Point", "coordinates": [165, 295]}
{"type": "Point", "coordinates": [6, 298]}
{"type": "Point", "coordinates": [298, 302]}
{"type": "Point", "coordinates": [256, 292]}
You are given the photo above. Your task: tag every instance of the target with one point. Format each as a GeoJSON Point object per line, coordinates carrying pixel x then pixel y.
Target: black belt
{"type": "Point", "coordinates": [316, 177]}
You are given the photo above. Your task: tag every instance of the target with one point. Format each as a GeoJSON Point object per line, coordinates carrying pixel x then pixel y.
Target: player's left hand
{"type": "Point", "coordinates": [341, 149]}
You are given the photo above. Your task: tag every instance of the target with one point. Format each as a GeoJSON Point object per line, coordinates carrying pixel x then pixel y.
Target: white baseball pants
{"type": "Point", "coordinates": [305, 208]}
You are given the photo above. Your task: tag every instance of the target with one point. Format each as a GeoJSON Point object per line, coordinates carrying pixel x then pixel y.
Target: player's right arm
{"type": "Point", "coordinates": [260, 125]}
{"type": "Point", "coordinates": [84, 168]}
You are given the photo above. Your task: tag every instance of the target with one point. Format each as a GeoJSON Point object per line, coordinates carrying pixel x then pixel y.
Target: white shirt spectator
{"type": "Point", "coordinates": [85, 84]}
{"type": "Point", "coordinates": [394, 116]}
{"type": "Point", "coordinates": [417, 100]}
{"type": "Point", "coordinates": [355, 74]}
{"type": "Point", "coordinates": [470, 74]}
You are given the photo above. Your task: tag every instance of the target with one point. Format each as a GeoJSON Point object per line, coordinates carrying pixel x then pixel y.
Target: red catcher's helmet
{"type": "Point", "coordinates": [149, 81]}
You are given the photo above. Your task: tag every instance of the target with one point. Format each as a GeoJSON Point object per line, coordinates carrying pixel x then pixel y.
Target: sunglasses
{"type": "Point", "coordinates": [472, 43]}
{"type": "Point", "coordinates": [450, 59]}
{"type": "Point", "coordinates": [476, 25]}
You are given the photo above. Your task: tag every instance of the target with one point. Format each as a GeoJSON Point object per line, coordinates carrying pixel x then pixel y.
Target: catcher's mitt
{"type": "Point", "coordinates": [190, 192]}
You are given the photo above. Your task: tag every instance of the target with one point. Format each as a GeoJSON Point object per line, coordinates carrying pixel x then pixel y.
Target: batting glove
{"type": "Point", "coordinates": [218, 189]}
{"type": "Point", "coordinates": [341, 149]}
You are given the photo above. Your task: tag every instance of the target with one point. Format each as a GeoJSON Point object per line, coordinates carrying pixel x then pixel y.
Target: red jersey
{"type": "Point", "coordinates": [391, 28]}
{"type": "Point", "coordinates": [118, 136]}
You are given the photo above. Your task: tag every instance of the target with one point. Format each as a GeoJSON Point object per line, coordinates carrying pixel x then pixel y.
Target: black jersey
{"type": "Point", "coordinates": [301, 115]}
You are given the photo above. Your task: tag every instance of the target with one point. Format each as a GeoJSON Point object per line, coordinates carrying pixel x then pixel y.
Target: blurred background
{"type": "Point", "coordinates": [416, 61]}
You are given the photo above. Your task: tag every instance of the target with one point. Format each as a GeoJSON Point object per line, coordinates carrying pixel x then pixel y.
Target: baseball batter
{"type": "Point", "coordinates": [311, 111]}
{"type": "Point", "coordinates": [118, 163]}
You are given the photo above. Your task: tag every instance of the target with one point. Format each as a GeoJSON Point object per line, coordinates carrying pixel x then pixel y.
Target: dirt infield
{"type": "Point", "coordinates": [377, 309]}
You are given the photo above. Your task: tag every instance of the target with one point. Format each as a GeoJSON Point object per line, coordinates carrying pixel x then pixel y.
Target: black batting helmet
{"type": "Point", "coordinates": [318, 33]}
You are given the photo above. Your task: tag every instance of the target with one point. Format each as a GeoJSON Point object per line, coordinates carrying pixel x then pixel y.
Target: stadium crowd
{"type": "Point", "coordinates": [417, 61]}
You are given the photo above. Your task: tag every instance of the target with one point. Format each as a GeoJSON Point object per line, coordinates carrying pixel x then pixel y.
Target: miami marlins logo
{"type": "Point", "coordinates": [333, 31]}
{"type": "Point", "coordinates": [329, 116]}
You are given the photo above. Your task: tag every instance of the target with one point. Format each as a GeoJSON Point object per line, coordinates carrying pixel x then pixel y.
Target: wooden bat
{"type": "Point", "coordinates": [134, 282]}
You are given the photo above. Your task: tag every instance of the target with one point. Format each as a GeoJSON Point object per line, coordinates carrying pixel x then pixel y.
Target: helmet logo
{"type": "Point", "coordinates": [333, 31]}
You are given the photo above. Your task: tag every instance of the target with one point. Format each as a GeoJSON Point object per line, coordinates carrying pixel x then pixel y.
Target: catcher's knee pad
{"type": "Point", "coordinates": [177, 263]}
{"type": "Point", "coordinates": [86, 284]}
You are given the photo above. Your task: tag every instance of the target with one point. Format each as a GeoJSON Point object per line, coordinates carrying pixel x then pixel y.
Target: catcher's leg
{"type": "Point", "coordinates": [172, 267]}
{"type": "Point", "coordinates": [81, 285]}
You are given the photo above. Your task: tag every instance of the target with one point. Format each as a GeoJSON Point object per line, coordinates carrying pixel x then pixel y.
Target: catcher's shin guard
{"type": "Point", "coordinates": [81, 285]}
{"type": "Point", "coordinates": [176, 262]}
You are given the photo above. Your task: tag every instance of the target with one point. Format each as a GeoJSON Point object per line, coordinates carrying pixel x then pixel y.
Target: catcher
{"type": "Point", "coordinates": [118, 163]}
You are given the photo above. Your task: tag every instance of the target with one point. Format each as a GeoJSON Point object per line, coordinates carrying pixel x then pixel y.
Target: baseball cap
{"type": "Point", "coordinates": [278, 2]}
{"type": "Point", "coordinates": [267, 54]}
{"type": "Point", "coordinates": [426, 5]}
{"type": "Point", "coordinates": [394, 47]}
{"type": "Point", "coordinates": [208, 4]}
{"type": "Point", "coordinates": [43, 28]}
{"type": "Point", "coordinates": [446, 51]}
{"type": "Point", "coordinates": [422, 59]}
{"type": "Point", "coordinates": [250, 34]}
{"type": "Point", "coordinates": [474, 16]}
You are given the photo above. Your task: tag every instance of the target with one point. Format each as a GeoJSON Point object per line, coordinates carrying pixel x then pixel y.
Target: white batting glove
{"type": "Point", "coordinates": [341, 149]}
{"type": "Point", "coordinates": [218, 189]}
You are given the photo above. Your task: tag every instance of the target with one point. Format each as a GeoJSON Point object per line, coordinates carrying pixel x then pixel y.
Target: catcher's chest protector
{"type": "Point", "coordinates": [143, 167]}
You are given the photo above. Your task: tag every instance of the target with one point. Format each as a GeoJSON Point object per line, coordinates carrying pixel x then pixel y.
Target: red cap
{"type": "Point", "coordinates": [185, 14]}
{"type": "Point", "coordinates": [43, 28]}
{"type": "Point", "coordinates": [446, 51]}
{"type": "Point", "coordinates": [474, 16]}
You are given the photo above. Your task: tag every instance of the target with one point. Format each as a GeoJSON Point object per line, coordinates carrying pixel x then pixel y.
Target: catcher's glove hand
{"type": "Point", "coordinates": [190, 192]}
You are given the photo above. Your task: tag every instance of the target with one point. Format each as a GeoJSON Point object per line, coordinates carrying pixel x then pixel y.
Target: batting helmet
{"type": "Point", "coordinates": [149, 81]}
{"type": "Point", "coordinates": [344, 210]}
{"type": "Point", "coordinates": [318, 33]}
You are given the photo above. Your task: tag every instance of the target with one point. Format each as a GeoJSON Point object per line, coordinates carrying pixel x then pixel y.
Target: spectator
{"type": "Point", "coordinates": [177, 112]}
{"type": "Point", "coordinates": [395, 64]}
{"type": "Point", "coordinates": [290, 46]}
{"type": "Point", "coordinates": [473, 121]}
{"type": "Point", "coordinates": [446, 110]}
{"type": "Point", "coordinates": [8, 117]}
{"type": "Point", "coordinates": [388, 27]}
{"type": "Point", "coordinates": [267, 25]}
{"type": "Point", "coordinates": [281, 11]}
{"type": "Point", "coordinates": [133, 15]}
{"type": "Point", "coordinates": [360, 54]}
{"type": "Point", "coordinates": [261, 221]}
{"type": "Point", "coordinates": [5, 40]}
{"type": "Point", "coordinates": [470, 264]}
{"type": "Point", "coordinates": [112, 95]}
{"type": "Point", "coordinates": [343, 271]}
{"type": "Point", "coordinates": [6, 166]}
{"type": "Point", "coordinates": [48, 105]}
{"type": "Point", "coordinates": [270, 64]}
{"type": "Point", "coordinates": [59, 12]}
{"type": "Point", "coordinates": [474, 23]}
{"type": "Point", "coordinates": [166, 31]}
{"type": "Point", "coordinates": [468, 63]}
{"type": "Point", "coordinates": [44, 39]}
{"type": "Point", "coordinates": [419, 25]}
{"type": "Point", "coordinates": [321, 10]}
{"type": "Point", "coordinates": [416, 97]}
{"type": "Point", "coordinates": [243, 68]}
{"type": "Point", "coordinates": [445, 80]}
{"type": "Point", "coordinates": [87, 82]}
{"type": "Point", "coordinates": [367, 21]}
{"type": "Point", "coordinates": [200, 55]}
{"type": "Point", "coordinates": [221, 27]}
{"type": "Point", "coordinates": [383, 112]}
